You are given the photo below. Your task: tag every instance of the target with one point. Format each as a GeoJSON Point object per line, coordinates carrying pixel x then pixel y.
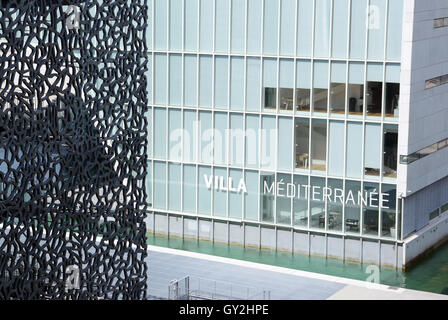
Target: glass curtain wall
{"type": "Point", "coordinates": [305, 93]}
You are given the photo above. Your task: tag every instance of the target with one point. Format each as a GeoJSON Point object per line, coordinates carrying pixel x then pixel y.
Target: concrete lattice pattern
{"type": "Point", "coordinates": [73, 139]}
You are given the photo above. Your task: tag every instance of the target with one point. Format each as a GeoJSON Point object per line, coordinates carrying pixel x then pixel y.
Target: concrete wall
{"type": "Point", "coordinates": [426, 238]}
{"type": "Point", "coordinates": [423, 113]}
{"type": "Point", "coordinates": [281, 239]}
{"type": "Point", "coordinates": [418, 206]}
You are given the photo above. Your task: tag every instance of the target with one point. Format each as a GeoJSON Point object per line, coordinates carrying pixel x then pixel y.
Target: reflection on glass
{"type": "Point", "coordinates": [303, 100]}
{"type": "Point", "coordinates": [317, 212]}
{"type": "Point", "coordinates": [356, 100]}
{"type": "Point", "coordinates": [388, 210]}
{"type": "Point", "coordinates": [334, 208]}
{"type": "Point", "coordinates": [302, 143]}
{"type": "Point", "coordinates": [319, 145]}
{"type": "Point", "coordinates": [352, 208]}
{"type": "Point", "coordinates": [374, 98]}
{"type": "Point", "coordinates": [337, 98]}
{"type": "Point", "coordinates": [320, 100]}
{"type": "Point", "coordinates": [286, 99]}
{"type": "Point", "coordinates": [370, 203]}
{"type": "Point", "coordinates": [301, 202]}
{"type": "Point", "coordinates": [267, 199]}
{"type": "Point", "coordinates": [392, 99]}
{"type": "Point", "coordinates": [372, 154]}
{"type": "Point", "coordinates": [284, 203]}
{"type": "Point", "coordinates": [390, 151]}
{"type": "Point", "coordinates": [270, 95]}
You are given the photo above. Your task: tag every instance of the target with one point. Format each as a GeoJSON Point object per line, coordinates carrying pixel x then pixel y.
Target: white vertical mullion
{"type": "Point", "coordinates": [153, 25]}
{"type": "Point", "coordinates": [214, 27]}
{"type": "Point", "coordinates": [168, 8]}
{"type": "Point", "coordinates": [198, 38]}
{"type": "Point", "coordinates": [183, 28]}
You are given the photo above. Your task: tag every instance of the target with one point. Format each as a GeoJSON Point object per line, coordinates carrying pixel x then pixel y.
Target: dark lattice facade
{"type": "Point", "coordinates": [73, 139]}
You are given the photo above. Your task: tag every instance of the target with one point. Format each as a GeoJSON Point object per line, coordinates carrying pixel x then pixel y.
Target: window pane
{"type": "Point", "coordinates": [372, 150]}
{"type": "Point", "coordinates": [336, 149]}
{"type": "Point", "coordinates": [286, 85]}
{"type": "Point", "coordinates": [220, 138]}
{"type": "Point", "coordinates": [317, 214]}
{"type": "Point", "coordinates": [288, 23]}
{"type": "Point", "coordinates": [205, 81]}
{"type": "Point", "coordinates": [236, 198]}
{"type": "Point", "coordinates": [301, 201]}
{"type": "Point", "coordinates": [206, 26]}
{"type": "Point", "coordinates": [149, 77]}
{"type": "Point", "coordinates": [305, 28]}
{"type": "Point", "coordinates": [191, 25]}
{"type": "Point", "coordinates": [338, 87]}
{"type": "Point", "coordinates": [160, 24]}
{"type": "Point", "coordinates": [352, 207]}
{"type": "Point", "coordinates": [148, 184]}
{"type": "Point", "coordinates": [374, 94]}
{"type": "Point", "coordinates": [319, 145]}
{"type": "Point", "coordinates": [334, 192]}
{"type": "Point", "coordinates": [190, 135]}
{"type": "Point", "coordinates": [388, 209]}
{"type": "Point", "coordinates": [190, 82]}
{"type": "Point", "coordinates": [238, 25]}
{"type": "Point", "coordinates": [267, 190]}
{"type": "Point", "coordinates": [251, 197]}
{"type": "Point", "coordinates": [176, 25]}
{"type": "Point", "coordinates": [252, 140]}
{"type": "Point", "coordinates": [221, 81]}
{"type": "Point", "coordinates": [270, 24]}
{"type": "Point", "coordinates": [253, 84]}
{"type": "Point", "coordinates": [220, 193]}
{"type": "Point", "coordinates": [340, 25]}
{"type": "Point", "coordinates": [206, 137]}
{"type": "Point", "coordinates": [150, 26]}
{"type": "Point", "coordinates": [320, 90]}
{"type": "Point", "coordinates": [283, 201]}
{"type": "Point", "coordinates": [392, 90]}
{"type": "Point", "coordinates": [322, 28]}
{"type": "Point", "coordinates": [160, 75]}
{"type": "Point", "coordinates": [222, 26]}
{"type": "Point", "coordinates": [390, 151]}
{"type": "Point", "coordinates": [237, 83]}
{"type": "Point", "coordinates": [205, 186]}
{"type": "Point", "coordinates": [371, 208]}
{"type": "Point", "coordinates": [150, 132]}
{"type": "Point", "coordinates": [254, 26]}
{"type": "Point", "coordinates": [159, 185]}
{"type": "Point", "coordinates": [175, 134]}
{"type": "Point", "coordinates": [285, 144]}
{"type": "Point", "coordinates": [303, 81]}
{"type": "Point", "coordinates": [189, 189]}
{"type": "Point", "coordinates": [376, 23]}
{"type": "Point", "coordinates": [174, 188]}
{"type": "Point", "coordinates": [175, 88]}
{"type": "Point", "coordinates": [236, 140]}
{"type": "Point", "coordinates": [354, 150]}
{"type": "Point", "coordinates": [302, 143]}
{"type": "Point", "coordinates": [356, 88]}
{"type": "Point", "coordinates": [270, 84]}
{"type": "Point", "coordinates": [268, 139]}
{"type": "Point", "coordinates": [160, 133]}
{"type": "Point", "coordinates": [358, 29]}
{"type": "Point", "coordinates": [394, 29]}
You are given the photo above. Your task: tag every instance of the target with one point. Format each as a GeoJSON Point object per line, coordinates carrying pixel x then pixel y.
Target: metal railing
{"type": "Point", "coordinates": [195, 288]}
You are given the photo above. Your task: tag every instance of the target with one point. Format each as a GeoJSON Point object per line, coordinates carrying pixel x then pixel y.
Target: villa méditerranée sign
{"type": "Point", "coordinates": [281, 189]}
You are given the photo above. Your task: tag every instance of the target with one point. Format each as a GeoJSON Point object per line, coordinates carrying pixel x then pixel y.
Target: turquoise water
{"type": "Point", "coordinates": [430, 275]}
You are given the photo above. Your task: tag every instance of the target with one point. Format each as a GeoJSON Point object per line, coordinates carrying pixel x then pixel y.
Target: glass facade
{"type": "Point", "coordinates": [281, 112]}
